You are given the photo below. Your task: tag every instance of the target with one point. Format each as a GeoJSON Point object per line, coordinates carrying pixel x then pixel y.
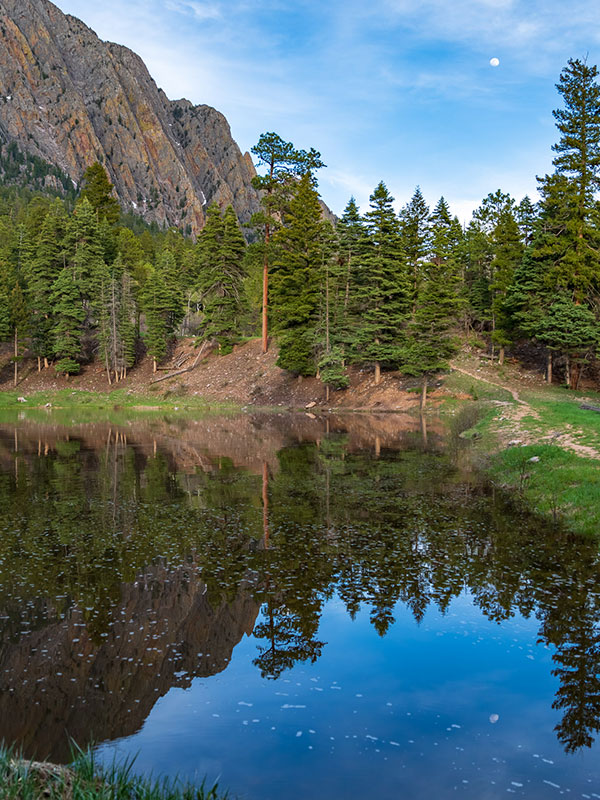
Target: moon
{"type": "Point", "coordinates": [494, 62]}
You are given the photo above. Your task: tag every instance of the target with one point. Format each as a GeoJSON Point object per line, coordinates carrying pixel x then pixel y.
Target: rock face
{"type": "Point", "coordinates": [72, 99]}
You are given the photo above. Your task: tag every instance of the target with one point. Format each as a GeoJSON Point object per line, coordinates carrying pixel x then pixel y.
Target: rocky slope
{"type": "Point", "coordinates": [72, 99]}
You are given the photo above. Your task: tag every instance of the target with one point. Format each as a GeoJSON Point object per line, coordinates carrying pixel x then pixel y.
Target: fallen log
{"type": "Point", "coordinates": [187, 369]}
{"type": "Point", "coordinates": [588, 407]}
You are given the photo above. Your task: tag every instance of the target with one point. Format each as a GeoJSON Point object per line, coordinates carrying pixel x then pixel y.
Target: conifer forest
{"type": "Point", "coordinates": [82, 281]}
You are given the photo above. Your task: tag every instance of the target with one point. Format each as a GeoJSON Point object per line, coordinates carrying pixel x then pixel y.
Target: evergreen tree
{"type": "Point", "coordinates": [224, 273]}
{"type": "Point", "coordinates": [526, 216]}
{"type": "Point", "coordinates": [98, 190]}
{"type": "Point", "coordinates": [416, 239]}
{"type": "Point", "coordinates": [4, 308]}
{"type": "Point", "coordinates": [171, 276]}
{"type": "Point", "coordinates": [296, 275]}
{"type": "Point", "coordinates": [208, 248]}
{"type": "Point", "coordinates": [283, 163]}
{"type": "Point", "coordinates": [383, 292]}
{"type": "Point", "coordinates": [333, 328]}
{"type": "Point", "coordinates": [445, 233]}
{"type": "Point", "coordinates": [127, 323]}
{"type": "Point", "coordinates": [571, 242]}
{"type": "Point", "coordinates": [508, 253]}
{"type": "Point", "coordinates": [19, 321]}
{"type": "Point", "coordinates": [431, 339]}
{"type": "Point", "coordinates": [571, 329]}
{"type": "Point", "coordinates": [477, 255]}
{"type": "Point", "coordinates": [156, 303]}
{"type": "Point", "coordinates": [68, 317]}
{"type": "Point", "coordinates": [351, 233]}
{"type": "Point", "coordinates": [42, 271]}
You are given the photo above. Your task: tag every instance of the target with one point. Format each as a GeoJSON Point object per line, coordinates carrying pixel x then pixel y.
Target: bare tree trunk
{"type": "Point", "coordinates": [153, 365]}
{"type": "Point", "coordinates": [377, 446]}
{"type": "Point", "coordinates": [265, 331]}
{"type": "Point", "coordinates": [424, 429]}
{"type": "Point", "coordinates": [575, 372]}
{"type": "Point", "coordinates": [568, 372]}
{"type": "Point", "coordinates": [39, 364]}
{"type": "Point", "coordinates": [549, 367]}
{"type": "Point", "coordinates": [16, 356]}
{"type": "Point", "coordinates": [423, 394]}
{"type": "Point", "coordinates": [46, 364]}
{"type": "Point", "coordinates": [501, 356]}
{"type": "Point", "coordinates": [377, 373]}
{"type": "Point", "coordinates": [327, 393]}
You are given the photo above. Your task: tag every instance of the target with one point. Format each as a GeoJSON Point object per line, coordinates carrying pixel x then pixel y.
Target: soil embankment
{"type": "Point", "coordinates": [244, 377]}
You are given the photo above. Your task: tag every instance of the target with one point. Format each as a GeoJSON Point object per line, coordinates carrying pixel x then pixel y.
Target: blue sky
{"type": "Point", "coordinates": [394, 90]}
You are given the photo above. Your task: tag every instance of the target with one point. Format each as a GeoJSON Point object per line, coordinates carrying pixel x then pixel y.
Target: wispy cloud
{"type": "Point", "coordinates": [399, 90]}
{"type": "Point", "coordinates": [201, 11]}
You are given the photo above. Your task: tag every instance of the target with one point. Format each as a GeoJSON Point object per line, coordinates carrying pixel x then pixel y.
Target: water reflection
{"type": "Point", "coordinates": [133, 560]}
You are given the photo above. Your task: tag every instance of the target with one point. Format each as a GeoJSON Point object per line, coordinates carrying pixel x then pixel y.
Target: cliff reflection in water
{"type": "Point", "coordinates": [132, 561]}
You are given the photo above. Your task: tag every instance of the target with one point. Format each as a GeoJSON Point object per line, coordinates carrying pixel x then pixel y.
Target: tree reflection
{"type": "Point", "coordinates": [78, 523]}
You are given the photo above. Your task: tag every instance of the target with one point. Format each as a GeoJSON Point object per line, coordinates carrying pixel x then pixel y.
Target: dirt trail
{"type": "Point", "coordinates": [516, 432]}
{"type": "Point", "coordinates": [508, 389]}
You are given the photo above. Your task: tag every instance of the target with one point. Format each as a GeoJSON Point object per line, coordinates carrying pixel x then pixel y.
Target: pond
{"type": "Point", "coordinates": [295, 606]}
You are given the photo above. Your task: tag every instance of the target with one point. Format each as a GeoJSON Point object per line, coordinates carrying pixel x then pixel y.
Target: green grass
{"type": "Point", "coordinates": [84, 779]}
{"type": "Point", "coordinates": [78, 406]}
{"type": "Point", "coordinates": [562, 486]}
{"type": "Point", "coordinates": [478, 389]}
{"type": "Point", "coordinates": [564, 415]}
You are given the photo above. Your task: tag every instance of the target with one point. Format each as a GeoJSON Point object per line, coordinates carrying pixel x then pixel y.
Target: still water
{"type": "Point", "coordinates": [297, 607]}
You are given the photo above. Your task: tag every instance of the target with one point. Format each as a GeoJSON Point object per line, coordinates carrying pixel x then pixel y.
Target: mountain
{"type": "Point", "coordinates": [71, 99]}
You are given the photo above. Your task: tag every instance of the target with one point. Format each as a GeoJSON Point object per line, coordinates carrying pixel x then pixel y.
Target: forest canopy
{"type": "Point", "coordinates": [79, 281]}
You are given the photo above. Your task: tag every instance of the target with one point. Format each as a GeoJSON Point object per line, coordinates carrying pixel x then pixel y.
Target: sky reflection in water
{"type": "Point", "coordinates": [412, 634]}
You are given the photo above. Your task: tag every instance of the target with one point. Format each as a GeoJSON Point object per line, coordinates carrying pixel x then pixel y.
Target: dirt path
{"type": "Point", "coordinates": [512, 392]}
{"type": "Point", "coordinates": [517, 433]}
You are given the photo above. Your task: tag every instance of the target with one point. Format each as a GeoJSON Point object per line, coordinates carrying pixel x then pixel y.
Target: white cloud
{"type": "Point", "coordinates": [201, 11]}
{"type": "Point", "coordinates": [511, 24]}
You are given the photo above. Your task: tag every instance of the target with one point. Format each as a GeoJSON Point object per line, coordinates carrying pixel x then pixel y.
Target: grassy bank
{"type": "Point", "coordinates": [536, 442]}
{"type": "Point", "coordinates": [84, 779]}
{"type": "Point", "coordinates": [556, 483]}
{"type": "Point", "coordinates": [79, 406]}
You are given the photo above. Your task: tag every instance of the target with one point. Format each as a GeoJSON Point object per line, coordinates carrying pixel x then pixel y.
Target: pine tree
{"type": "Point", "coordinates": [284, 163]}
{"type": "Point", "coordinates": [333, 330]}
{"type": "Point", "coordinates": [42, 271]}
{"type": "Point", "coordinates": [526, 216]}
{"type": "Point", "coordinates": [571, 242]}
{"type": "Point", "coordinates": [431, 339]}
{"type": "Point", "coordinates": [445, 234]}
{"type": "Point", "coordinates": [295, 279]}
{"type": "Point", "coordinates": [508, 253]}
{"type": "Point", "coordinates": [127, 323]}
{"type": "Point", "coordinates": [383, 291]}
{"type": "Point", "coordinates": [4, 309]}
{"type": "Point", "coordinates": [223, 285]}
{"type": "Point", "coordinates": [171, 276]}
{"type": "Point", "coordinates": [208, 247]}
{"type": "Point", "coordinates": [98, 190]}
{"type": "Point", "coordinates": [573, 330]}
{"type": "Point", "coordinates": [156, 304]}
{"type": "Point", "coordinates": [68, 315]}
{"type": "Point", "coordinates": [416, 239]}
{"type": "Point", "coordinates": [19, 320]}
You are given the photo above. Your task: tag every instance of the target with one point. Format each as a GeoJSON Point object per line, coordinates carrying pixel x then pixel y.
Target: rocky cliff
{"type": "Point", "coordinates": [72, 99]}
